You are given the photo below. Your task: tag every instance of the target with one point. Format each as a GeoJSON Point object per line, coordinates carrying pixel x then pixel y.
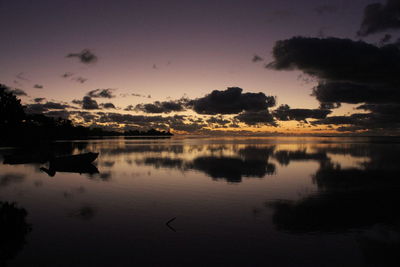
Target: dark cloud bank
{"type": "Point", "coordinates": [348, 71]}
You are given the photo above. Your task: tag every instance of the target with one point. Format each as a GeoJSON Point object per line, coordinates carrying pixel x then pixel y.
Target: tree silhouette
{"type": "Point", "coordinates": [11, 110]}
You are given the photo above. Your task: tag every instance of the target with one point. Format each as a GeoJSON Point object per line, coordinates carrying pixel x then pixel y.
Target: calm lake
{"type": "Point", "coordinates": [204, 202]}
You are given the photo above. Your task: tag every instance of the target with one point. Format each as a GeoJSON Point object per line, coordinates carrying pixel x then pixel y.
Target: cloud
{"type": "Point", "coordinates": [89, 103]}
{"type": "Point", "coordinates": [85, 56]}
{"type": "Point", "coordinates": [217, 120]}
{"type": "Point", "coordinates": [80, 79]}
{"type": "Point", "coordinates": [129, 108]}
{"type": "Point", "coordinates": [77, 102]}
{"type": "Point", "coordinates": [353, 93]}
{"type": "Point", "coordinates": [67, 74]}
{"type": "Point", "coordinates": [55, 105]}
{"type": "Point", "coordinates": [380, 17]}
{"type": "Point", "coordinates": [256, 118]}
{"type": "Point", "coordinates": [382, 118]}
{"type": "Point", "coordinates": [336, 59]}
{"type": "Point", "coordinates": [347, 72]}
{"type": "Point", "coordinates": [131, 119]}
{"type": "Point", "coordinates": [40, 108]}
{"type": "Point", "coordinates": [385, 39]}
{"type": "Point", "coordinates": [101, 93]}
{"type": "Point", "coordinates": [163, 107]}
{"type": "Point", "coordinates": [39, 99]}
{"type": "Point", "coordinates": [285, 113]}
{"type": "Point", "coordinates": [35, 109]}
{"type": "Point", "coordinates": [18, 92]}
{"type": "Point", "coordinates": [108, 105]}
{"type": "Point", "coordinates": [38, 86]}
{"type": "Point", "coordinates": [141, 122]}
{"type": "Point", "coordinates": [178, 125]}
{"type": "Point", "coordinates": [64, 114]}
{"type": "Point", "coordinates": [231, 101]}
{"type": "Point", "coordinates": [257, 58]}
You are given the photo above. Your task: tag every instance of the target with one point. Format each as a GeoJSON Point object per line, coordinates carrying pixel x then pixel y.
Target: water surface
{"type": "Point", "coordinates": [230, 202]}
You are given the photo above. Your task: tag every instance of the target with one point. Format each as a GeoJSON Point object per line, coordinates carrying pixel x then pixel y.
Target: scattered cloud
{"type": "Point", "coordinates": [39, 99]}
{"type": "Point", "coordinates": [38, 86]}
{"type": "Point", "coordinates": [129, 108]}
{"type": "Point", "coordinates": [163, 107]}
{"type": "Point", "coordinates": [380, 17]}
{"type": "Point", "coordinates": [17, 92]}
{"type": "Point", "coordinates": [257, 58]}
{"type": "Point", "coordinates": [80, 79]}
{"type": "Point", "coordinates": [107, 105]}
{"type": "Point", "coordinates": [89, 103]}
{"type": "Point", "coordinates": [40, 108]}
{"type": "Point", "coordinates": [85, 56]}
{"type": "Point", "coordinates": [101, 93]}
{"type": "Point", "coordinates": [67, 75]}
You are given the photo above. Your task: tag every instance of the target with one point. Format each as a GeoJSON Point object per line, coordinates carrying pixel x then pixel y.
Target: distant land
{"type": "Point", "coordinates": [19, 128]}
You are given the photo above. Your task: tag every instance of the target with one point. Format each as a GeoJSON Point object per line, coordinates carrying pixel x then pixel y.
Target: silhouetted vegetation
{"type": "Point", "coordinates": [13, 230]}
{"type": "Point", "coordinates": [17, 127]}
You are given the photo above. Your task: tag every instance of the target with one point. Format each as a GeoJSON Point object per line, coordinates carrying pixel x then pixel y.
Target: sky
{"type": "Point", "coordinates": [140, 52]}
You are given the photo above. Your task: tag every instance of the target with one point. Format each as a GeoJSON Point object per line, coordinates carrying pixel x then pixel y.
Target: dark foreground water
{"type": "Point", "coordinates": [236, 202]}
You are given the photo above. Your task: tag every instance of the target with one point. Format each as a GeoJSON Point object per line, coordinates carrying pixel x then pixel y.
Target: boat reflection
{"type": "Point", "coordinates": [81, 169]}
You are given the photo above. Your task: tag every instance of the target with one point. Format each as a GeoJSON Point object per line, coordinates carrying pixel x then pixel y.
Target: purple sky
{"type": "Point", "coordinates": [163, 48]}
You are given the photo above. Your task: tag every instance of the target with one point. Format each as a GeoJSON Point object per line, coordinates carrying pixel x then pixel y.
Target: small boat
{"type": "Point", "coordinates": [74, 160]}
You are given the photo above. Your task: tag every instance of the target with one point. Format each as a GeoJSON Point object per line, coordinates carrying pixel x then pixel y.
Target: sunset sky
{"type": "Point", "coordinates": [138, 52]}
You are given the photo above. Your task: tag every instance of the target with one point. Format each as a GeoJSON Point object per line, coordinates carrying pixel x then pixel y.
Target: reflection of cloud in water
{"type": "Point", "coordinates": [84, 213]}
{"type": "Point", "coordinates": [107, 163]}
{"type": "Point", "coordinates": [129, 149]}
{"type": "Point", "coordinates": [364, 199]}
{"type": "Point", "coordinates": [232, 169]}
{"type": "Point", "coordinates": [249, 162]}
{"type": "Point", "coordinates": [284, 157]}
{"type": "Point", "coordinates": [159, 162]}
{"type": "Point", "coordinates": [11, 178]}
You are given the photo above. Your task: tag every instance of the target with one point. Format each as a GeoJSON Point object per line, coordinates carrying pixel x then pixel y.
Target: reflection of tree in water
{"type": "Point", "coordinates": [13, 230]}
{"type": "Point", "coordinates": [360, 199]}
